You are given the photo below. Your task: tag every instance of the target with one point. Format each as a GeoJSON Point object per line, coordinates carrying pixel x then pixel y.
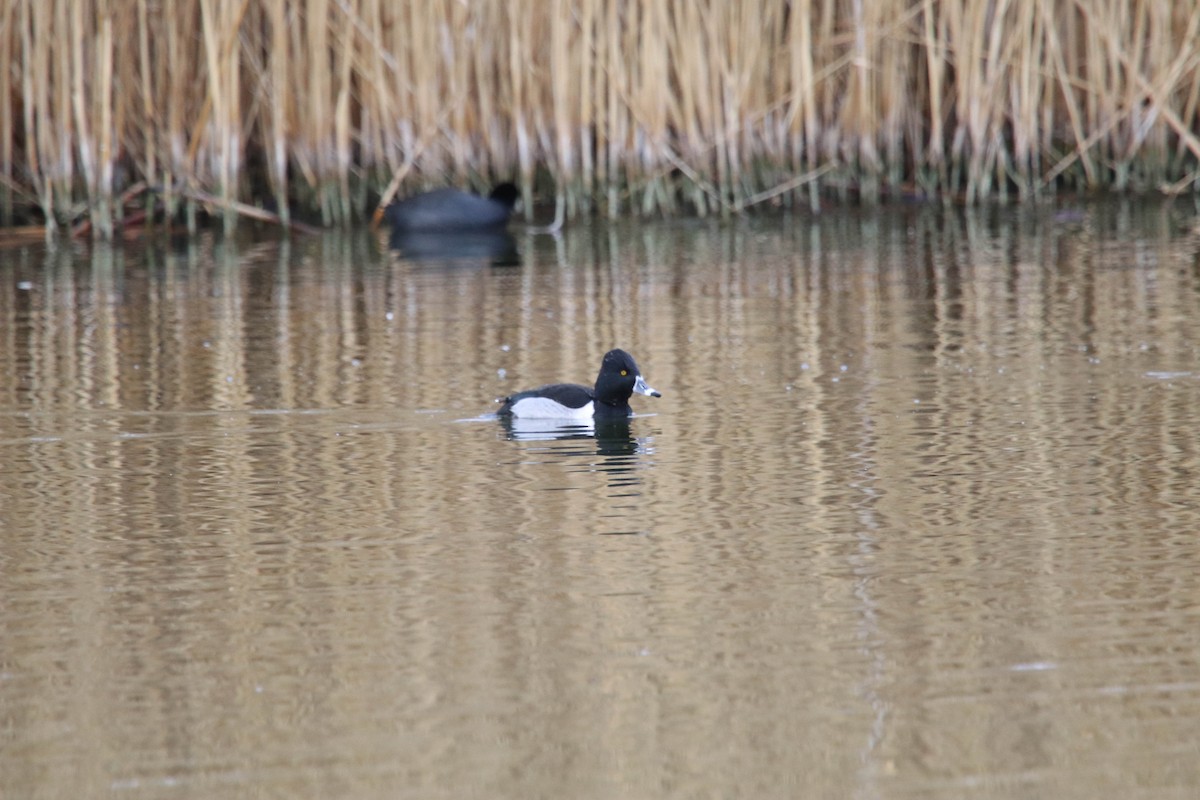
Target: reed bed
{"type": "Point", "coordinates": [646, 107]}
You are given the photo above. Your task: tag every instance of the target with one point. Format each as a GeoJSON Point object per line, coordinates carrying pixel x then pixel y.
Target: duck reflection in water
{"type": "Point", "coordinates": [495, 246]}
{"type": "Point", "coordinates": [612, 436]}
{"type": "Point", "coordinates": [612, 440]}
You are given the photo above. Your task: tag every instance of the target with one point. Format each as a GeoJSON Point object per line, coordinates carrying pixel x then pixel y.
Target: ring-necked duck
{"type": "Point", "coordinates": [619, 378]}
{"type": "Point", "coordinates": [453, 210]}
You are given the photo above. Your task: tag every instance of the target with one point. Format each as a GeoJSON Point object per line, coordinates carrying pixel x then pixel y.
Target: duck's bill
{"type": "Point", "coordinates": [641, 388]}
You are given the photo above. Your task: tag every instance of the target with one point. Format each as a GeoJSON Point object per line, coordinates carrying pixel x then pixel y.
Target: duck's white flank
{"type": "Point", "coordinates": [545, 408]}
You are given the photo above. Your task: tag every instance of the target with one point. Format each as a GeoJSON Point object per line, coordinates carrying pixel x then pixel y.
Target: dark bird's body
{"type": "Point", "coordinates": [453, 210]}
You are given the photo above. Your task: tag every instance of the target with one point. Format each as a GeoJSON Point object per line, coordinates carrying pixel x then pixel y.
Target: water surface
{"type": "Point", "coordinates": [915, 516]}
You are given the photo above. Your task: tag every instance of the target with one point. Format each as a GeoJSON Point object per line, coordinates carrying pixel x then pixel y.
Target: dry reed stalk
{"type": "Point", "coordinates": [857, 118]}
{"type": "Point", "coordinates": [57, 160]}
{"type": "Point", "coordinates": [45, 160]}
{"type": "Point", "coordinates": [341, 156]}
{"type": "Point", "coordinates": [1171, 75]}
{"type": "Point", "coordinates": [562, 100]}
{"type": "Point", "coordinates": [7, 129]}
{"type": "Point", "coordinates": [189, 102]}
{"type": "Point", "coordinates": [34, 93]}
{"type": "Point", "coordinates": [937, 69]}
{"type": "Point", "coordinates": [1059, 59]}
{"type": "Point", "coordinates": [146, 154]}
{"type": "Point", "coordinates": [644, 94]}
{"type": "Point", "coordinates": [716, 79]}
{"type": "Point", "coordinates": [371, 72]}
{"type": "Point", "coordinates": [92, 66]}
{"type": "Point", "coordinates": [745, 27]}
{"type": "Point", "coordinates": [82, 118]}
{"type": "Point", "coordinates": [614, 127]}
{"type": "Point", "coordinates": [588, 80]}
{"type": "Point", "coordinates": [220, 138]}
{"type": "Point", "coordinates": [520, 56]}
{"type": "Point", "coordinates": [804, 127]}
{"type": "Point", "coordinates": [308, 82]}
{"type": "Point", "coordinates": [1190, 95]}
{"type": "Point", "coordinates": [245, 210]}
{"type": "Point", "coordinates": [332, 138]}
{"type": "Point", "coordinates": [1113, 87]}
{"type": "Point", "coordinates": [462, 122]}
{"type": "Point", "coordinates": [174, 145]}
{"type": "Point", "coordinates": [279, 93]}
{"type": "Point", "coordinates": [696, 108]}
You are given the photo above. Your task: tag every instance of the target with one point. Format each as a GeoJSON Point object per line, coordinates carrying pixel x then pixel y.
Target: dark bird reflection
{"type": "Point", "coordinates": [606, 446]}
{"type": "Point", "coordinates": [495, 246]}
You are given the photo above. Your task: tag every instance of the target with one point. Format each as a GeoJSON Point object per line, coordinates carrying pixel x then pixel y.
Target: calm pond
{"type": "Point", "coordinates": [917, 515]}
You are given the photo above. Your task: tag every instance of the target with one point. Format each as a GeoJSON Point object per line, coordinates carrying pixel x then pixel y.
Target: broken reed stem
{"type": "Point", "coordinates": [650, 106]}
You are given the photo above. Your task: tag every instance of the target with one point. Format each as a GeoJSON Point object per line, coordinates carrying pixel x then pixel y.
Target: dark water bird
{"type": "Point", "coordinates": [619, 378]}
{"type": "Point", "coordinates": [453, 210]}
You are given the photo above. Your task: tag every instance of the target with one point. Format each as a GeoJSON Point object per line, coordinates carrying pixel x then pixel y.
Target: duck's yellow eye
{"type": "Point", "coordinates": [624, 372]}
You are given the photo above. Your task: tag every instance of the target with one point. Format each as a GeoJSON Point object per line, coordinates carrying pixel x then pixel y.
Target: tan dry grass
{"type": "Point", "coordinates": [643, 107]}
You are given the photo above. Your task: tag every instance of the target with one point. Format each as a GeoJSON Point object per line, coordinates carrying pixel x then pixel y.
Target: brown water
{"type": "Point", "coordinates": [918, 515]}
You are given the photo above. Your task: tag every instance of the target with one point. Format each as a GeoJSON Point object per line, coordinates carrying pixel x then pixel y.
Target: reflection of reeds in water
{"type": "Point", "coordinates": [646, 107]}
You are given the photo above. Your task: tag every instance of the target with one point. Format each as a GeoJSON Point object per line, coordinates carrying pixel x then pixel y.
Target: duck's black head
{"type": "Point", "coordinates": [619, 378]}
{"type": "Point", "coordinates": [506, 194]}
